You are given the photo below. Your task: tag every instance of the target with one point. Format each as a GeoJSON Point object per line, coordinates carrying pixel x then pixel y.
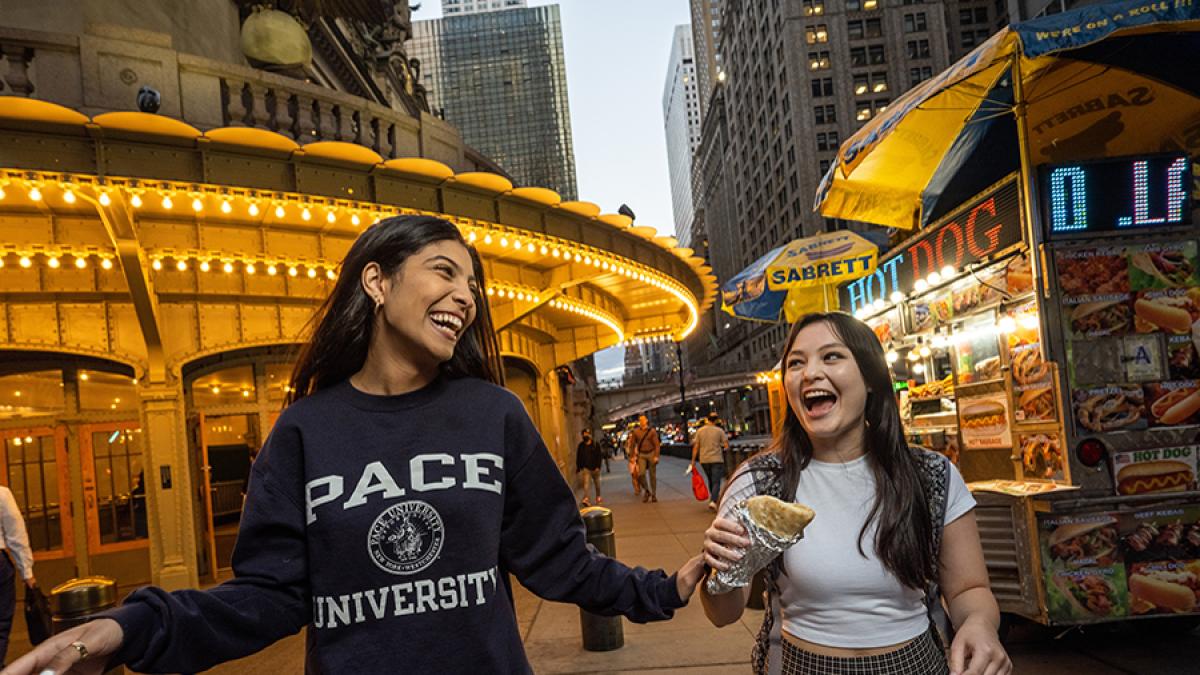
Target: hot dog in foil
{"type": "Point", "coordinates": [772, 526]}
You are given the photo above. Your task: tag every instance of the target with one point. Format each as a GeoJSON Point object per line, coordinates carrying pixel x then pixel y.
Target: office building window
{"type": "Point", "coordinates": [817, 34]}
{"type": "Point", "coordinates": [825, 114]}
{"type": "Point", "coordinates": [814, 7]}
{"type": "Point", "coordinates": [918, 49]}
{"type": "Point", "coordinates": [858, 56]}
{"type": "Point", "coordinates": [915, 23]}
{"type": "Point", "coordinates": [862, 85]}
{"type": "Point", "coordinates": [864, 28]}
{"type": "Point", "coordinates": [822, 86]}
{"type": "Point", "coordinates": [818, 60]}
{"type": "Point", "coordinates": [919, 75]}
{"type": "Point", "coordinates": [876, 55]}
{"type": "Point", "coordinates": [824, 165]}
{"type": "Point", "coordinates": [853, 5]}
{"type": "Point", "coordinates": [879, 83]}
{"type": "Point", "coordinates": [827, 140]}
{"type": "Point", "coordinates": [971, 38]}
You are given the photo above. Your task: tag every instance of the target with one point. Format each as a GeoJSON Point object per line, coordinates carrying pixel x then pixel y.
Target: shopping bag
{"type": "Point", "coordinates": [37, 615]}
{"type": "Point", "coordinates": [699, 489]}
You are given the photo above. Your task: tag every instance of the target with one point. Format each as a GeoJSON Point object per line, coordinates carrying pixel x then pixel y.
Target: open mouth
{"type": "Point", "coordinates": [449, 325]}
{"type": "Point", "coordinates": [818, 402]}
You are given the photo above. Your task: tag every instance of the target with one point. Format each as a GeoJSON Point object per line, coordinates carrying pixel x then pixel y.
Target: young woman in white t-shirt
{"type": "Point", "coordinates": [851, 593]}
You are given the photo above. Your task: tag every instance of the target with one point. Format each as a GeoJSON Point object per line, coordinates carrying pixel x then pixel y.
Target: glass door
{"type": "Point", "coordinates": [33, 464]}
{"type": "Point", "coordinates": [114, 487]}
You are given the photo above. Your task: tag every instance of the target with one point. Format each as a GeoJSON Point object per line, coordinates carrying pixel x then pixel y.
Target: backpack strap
{"type": "Point", "coordinates": [935, 474]}
{"type": "Point", "coordinates": [767, 656]}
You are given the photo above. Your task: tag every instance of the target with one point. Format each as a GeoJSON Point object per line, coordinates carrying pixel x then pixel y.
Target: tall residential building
{"type": "Point", "coordinates": [501, 78]}
{"type": "Point", "coordinates": [450, 7]}
{"type": "Point", "coordinates": [681, 122]}
{"type": "Point", "coordinates": [800, 77]}
{"type": "Point", "coordinates": [706, 33]}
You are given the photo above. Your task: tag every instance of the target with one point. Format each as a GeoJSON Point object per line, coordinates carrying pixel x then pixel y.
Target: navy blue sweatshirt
{"type": "Point", "coordinates": [388, 525]}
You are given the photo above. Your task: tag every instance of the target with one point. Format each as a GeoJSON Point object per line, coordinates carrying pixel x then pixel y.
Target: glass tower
{"type": "Point", "coordinates": [501, 78]}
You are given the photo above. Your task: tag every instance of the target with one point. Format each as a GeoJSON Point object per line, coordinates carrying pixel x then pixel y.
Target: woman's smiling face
{"type": "Point", "coordinates": [824, 385]}
{"type": "Point", "coordinates": [430, 301]}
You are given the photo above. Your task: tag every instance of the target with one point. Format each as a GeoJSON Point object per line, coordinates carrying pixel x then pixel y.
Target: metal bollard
{"type": "Point", "coordinates": [74, 601]}
{"type": "Point", "coordinates": [600, 633]}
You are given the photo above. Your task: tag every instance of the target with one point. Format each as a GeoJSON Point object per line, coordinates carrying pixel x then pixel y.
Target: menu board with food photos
{"type": "Point", "coordinates": [1032, 376]}
{"type": "Point", "coordinates": [1100, 566]}
{"type": "Point", "coordinates": [1147, 297]}
{"type": "Point", "coordinates": [983, 421]}
{"type": "Point", "coordinates": [1042, 455]}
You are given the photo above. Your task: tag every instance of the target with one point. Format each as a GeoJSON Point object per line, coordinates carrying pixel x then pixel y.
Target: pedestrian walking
{"type": "Point", "coordinates": [860, 593]}
{"type": "Point", "coordinates": [708, 446]}
{"type": "Point", "coordinates": [15, 559]}
{"type": "Point", "coordinates": [397, 492]}
{"type": "Point", "coordinates": [644, 446]}
{"type": "Point", "coordinates": [587, 464]}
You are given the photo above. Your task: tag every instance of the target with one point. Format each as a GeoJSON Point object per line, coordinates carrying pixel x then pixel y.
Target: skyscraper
{"type": "Point", "coordinates": [799, 78]}
{"type": "Point", "coordinates": [681, 122]}
{"type": "Point", "coordinates": [500, 77]}
{"type": "Point", "coordinates": [706, 33]}
{"type": "Point", "coordinates": [450, 7]}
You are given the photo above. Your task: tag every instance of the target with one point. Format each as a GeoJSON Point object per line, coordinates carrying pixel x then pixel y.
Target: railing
{"type": "Point", "coordinates": [216, 94]}
{"type": "Point", "coordinates": [226, 497]}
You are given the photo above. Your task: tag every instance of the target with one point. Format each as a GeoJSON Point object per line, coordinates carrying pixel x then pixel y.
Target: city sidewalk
{"type": "Point", "coordinates": [662, 535]}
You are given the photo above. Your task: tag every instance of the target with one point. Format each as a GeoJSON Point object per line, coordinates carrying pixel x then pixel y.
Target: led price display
{"type": "Point", "coordinates": [1117, 195]}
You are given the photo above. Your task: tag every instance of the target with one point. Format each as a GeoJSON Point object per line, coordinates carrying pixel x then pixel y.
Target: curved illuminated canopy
{"type": "Point", "coordinates": [554, 268]}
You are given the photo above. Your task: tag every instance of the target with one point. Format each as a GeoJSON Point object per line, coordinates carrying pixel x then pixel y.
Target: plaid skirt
{"type": "Point", "coordinates": [922, 656]}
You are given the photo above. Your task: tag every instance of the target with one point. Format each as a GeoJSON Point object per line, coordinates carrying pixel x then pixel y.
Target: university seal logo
{"type": "Point", "coordinates": [406, 538]}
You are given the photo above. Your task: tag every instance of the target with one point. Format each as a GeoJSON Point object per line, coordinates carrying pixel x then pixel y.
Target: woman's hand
{"type": "Point", "coordinates": [725, 542]}
{"type": "Point", "coordinates": [59, 656]}
{"type": "Point", "coordinates": [689, 576]}
{"type": "Point", "coordinates": [977, 650]}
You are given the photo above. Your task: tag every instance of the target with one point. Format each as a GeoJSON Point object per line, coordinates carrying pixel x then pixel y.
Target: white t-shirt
{"type": "Point", "coordinates": [832, 595]}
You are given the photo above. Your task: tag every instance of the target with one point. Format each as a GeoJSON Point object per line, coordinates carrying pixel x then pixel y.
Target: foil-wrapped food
{"type": "Point", "coordinates": [773, 526]}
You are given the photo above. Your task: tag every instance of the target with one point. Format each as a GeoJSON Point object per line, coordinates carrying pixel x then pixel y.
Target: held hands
{"type": "Point", "coordinates": [725, 542]}
{"type": "Point", "coordinates": [31, 582]}
{"type": "Point", "coordinates": [688, 576]}
{"type": "Point", "coordinates": [977, 651]}
{"type": "Point", "coordinates": [62, 654]}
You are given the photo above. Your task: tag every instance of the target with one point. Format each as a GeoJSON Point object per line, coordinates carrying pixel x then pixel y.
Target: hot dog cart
{"type": "Point", "coordinates": [1057, 362]}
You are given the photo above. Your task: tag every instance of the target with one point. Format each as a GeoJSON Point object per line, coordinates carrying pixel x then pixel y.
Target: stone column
{"type": "Point", "coordinates": [173, 562]}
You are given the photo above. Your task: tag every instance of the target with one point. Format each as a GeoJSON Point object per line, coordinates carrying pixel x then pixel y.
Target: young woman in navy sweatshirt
{"type": "Point", "coordinates": [398, 490]}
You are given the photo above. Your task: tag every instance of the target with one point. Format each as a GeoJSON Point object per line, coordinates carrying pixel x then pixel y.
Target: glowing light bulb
{"type": "Point", "coordinates": [167, 203]}
{"type": "Point", "coordinates": [3, 194]}
{"type": "Point", "coordinates": [279, 211]}
{"type": "Point", "coordinates": [197, 205]}
{"type": "Point", "coordinates": [530, 247]}
{"type": "Point", "coordinates": [250, 268]}
{"type": "Point", "coordinates": [897, 296]}
{"type": "Point", "coordinates": [948, 271]}
{"type": "Point", "coordinates": [106, 263]}
{"type": "Point", "coordinates": [104, 199]}
{"type": "Point", "coordinates": [330, 218]}
{"type": "Point", "coordinates": [35, 194]}
{"type": "Point", "coordinates": [181, 265]}
{"type": "Point", "coordinates": [272, 270]}
{"type": "Point", "coordinates": [556, 253]}
{"type": "Point", "coordinates": [503, 242]}
{"type": "Point", "coordinates": [216, 390]}
{"type": "Point", "coordinates": [878, 304]}
{"type": "Point", "coordinates": [205, 266]}
{"type": "Point", "coordinates": [330, 274]}
{"type": "Point", "coordinates": [245, 393]}
{"type": "Point", "coordinates": [920, 285]}
{"type": "Point", "coordinates": [913, 355]}
{"type": "Point", "coordinates": [156, 264]}
{"type": "Point", "coordinates": [226, 207]}
{"type": "Point", "coordinates": [253, 209]}
{"type": "Point", "coordinates": [306, 214]}
{"type": "Point", "coordinates": [52, 262]}
{"type": "Point", "coordinates": [69, 197]}
{"type": "Point", "coordinates": [925, 351]}
{"type": "Point", "coordinates": [919, 368]}
{"type": "Point", "coordinates": [292, 271]}
{"type": "Point", "coordinates": [1028, 321]}
{"type": "Point", "coordinates": [80, 262]}
{"type": "Point", "coordinates": [136, 201]}
{"type": "Point", "coordinates": [892, 356]}
{"type": "Point", "coordinates": [934, 278]}
{"type": "Point", "coordinates": [227, 267]}
{"type": "Point", "coordinates": [312, 273]}
{"type": "Point", "coordinates": [1007, 324]}
{"type": "Point", "coordinates": [487, 238]}
{"type": "Point", "coordinates": [543, 250]}
{"type": "Point", "coordinates": [355, 221]}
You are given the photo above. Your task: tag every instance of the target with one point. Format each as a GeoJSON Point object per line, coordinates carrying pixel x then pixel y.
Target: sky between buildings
{"type": "Point", "coordinates": [617, 53]}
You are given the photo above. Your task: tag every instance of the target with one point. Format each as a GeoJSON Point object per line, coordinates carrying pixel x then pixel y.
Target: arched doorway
{"type": "Point", "coordinates": [72, 453]}
{"type": "Point", "coordinates": [232, 401]}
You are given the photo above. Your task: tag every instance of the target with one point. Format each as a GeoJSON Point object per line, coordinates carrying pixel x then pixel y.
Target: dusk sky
{"type": "Point", "coordinates": [617, 53]}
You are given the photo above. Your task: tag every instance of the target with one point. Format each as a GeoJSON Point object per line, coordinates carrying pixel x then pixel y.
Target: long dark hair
{"type": "Point", "coordinates": [904, 537]}
{"type": "Point", "coordinates": [342, 326]}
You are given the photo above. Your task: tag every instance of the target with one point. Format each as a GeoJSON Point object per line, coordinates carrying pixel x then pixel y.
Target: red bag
{"type": "Point", "coordinates": [699, 489]}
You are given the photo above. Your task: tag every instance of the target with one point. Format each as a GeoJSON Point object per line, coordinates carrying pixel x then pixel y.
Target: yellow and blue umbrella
{"type": "Point", "coordinates": [1099, 81]}
{"type": "Point", "coordinates": [799, 277]}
